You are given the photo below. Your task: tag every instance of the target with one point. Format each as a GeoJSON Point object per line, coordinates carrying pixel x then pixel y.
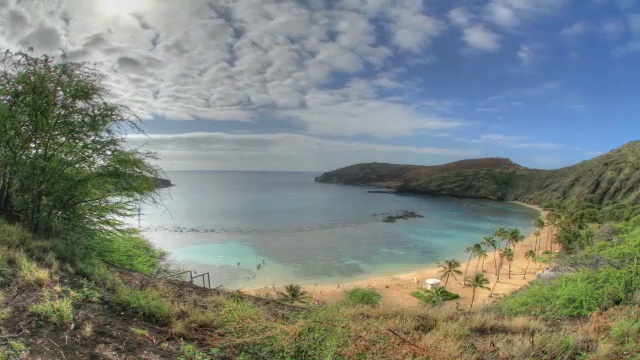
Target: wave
{"type": "Point", "coordinates": [294, 229]}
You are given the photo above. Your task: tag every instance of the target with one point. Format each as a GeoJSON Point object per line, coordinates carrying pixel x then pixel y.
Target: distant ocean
{"type": "Point", "coordinates": [303, 232]}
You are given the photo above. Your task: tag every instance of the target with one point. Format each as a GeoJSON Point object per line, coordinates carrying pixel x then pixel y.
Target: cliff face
{"type": "Point", "coordinates": [613, 177]}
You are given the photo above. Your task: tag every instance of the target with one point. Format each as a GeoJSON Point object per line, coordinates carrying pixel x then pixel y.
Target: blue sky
{"type": "Point", "coordinates": [315, 85]}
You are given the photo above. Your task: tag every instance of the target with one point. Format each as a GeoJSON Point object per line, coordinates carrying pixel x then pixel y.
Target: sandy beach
{"type": "Point", "coordinates": [396, 288]}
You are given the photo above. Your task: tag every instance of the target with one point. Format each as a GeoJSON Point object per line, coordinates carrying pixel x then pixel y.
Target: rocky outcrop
{"type": "Point", "coordinates": [163, 183]}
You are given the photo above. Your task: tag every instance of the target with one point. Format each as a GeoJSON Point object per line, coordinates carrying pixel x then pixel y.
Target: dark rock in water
{"type": "Point", "coordinates": [163, 183]}
{"type": "Point", "coordinates": [403, 215]}
{"type": "Point", "coordinates": [382, 192]}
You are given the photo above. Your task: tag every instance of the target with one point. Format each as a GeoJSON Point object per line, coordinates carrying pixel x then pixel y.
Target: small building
{"type": "Point", "coordinates": [431, 284]}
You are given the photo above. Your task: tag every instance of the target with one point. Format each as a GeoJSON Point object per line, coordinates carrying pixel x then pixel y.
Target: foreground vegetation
{"type": "Point", "coordinates": [75, 282]}
{"type": "Point", "coordinates": [175, 319]}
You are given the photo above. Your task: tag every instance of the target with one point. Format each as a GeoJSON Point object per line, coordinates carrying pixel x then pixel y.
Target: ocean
{"type": "Point", "coordinates": [256, 229]}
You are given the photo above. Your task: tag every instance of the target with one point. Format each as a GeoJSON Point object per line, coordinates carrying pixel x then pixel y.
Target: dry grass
{"type": "Point", "coordinates": [29, 272]}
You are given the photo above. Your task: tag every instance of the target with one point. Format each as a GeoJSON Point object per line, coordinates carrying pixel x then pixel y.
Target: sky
{"type": "Point", "coordinates": [315, 85]}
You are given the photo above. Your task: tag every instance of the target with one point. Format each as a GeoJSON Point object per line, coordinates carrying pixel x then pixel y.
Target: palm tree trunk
{"type": "Point", "coordinates": [473, 296]}
{"type": "Point", "coordinates": [493, 288]}
{"type": "Point", "coordinates": [495, 261]}
{"type": "Point", "coordinates": [509, 269]}
{"type": "Point", "coordinates": [465, 270]}
{"type": "Point", "coordinates": [447, 281]}
{"type": "Point", "coordinates": [477, 265]}
{"type": "Point", "coordinates": [483, 258]}
{"type": "Point", "coordinates": [536, 249]}
{"type": "Point", "coordinates": [524, 276]}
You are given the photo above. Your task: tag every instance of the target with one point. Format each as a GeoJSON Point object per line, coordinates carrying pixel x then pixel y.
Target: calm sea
{"type": "Point", "coordinates": [282, 227]}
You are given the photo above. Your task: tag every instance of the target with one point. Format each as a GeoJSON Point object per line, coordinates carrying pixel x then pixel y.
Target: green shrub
{"type": "Point", "coordinates": [89, 292]}
{"type": "Point", "coordinates": [14, 349]}
{"type": "Point", "coordinates": [5, 273]}
{"type": "Point", "coordinates": [626, 332]}
{"type": "Point", "coordinates": [147, 304]}
{"type": "Point", "coordinates": [190, 351]}
{"type": "Point", "coordinates": [361, 296]}
{"type": "Point", "coordinates": [58, 311]}
{"type": "Point", "coordinates": [128, 250]}
{"type": "Point", "coordinates": [436, 296]}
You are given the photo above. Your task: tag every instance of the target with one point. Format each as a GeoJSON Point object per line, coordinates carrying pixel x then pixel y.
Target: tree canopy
{"type": "Point", "coordinates": [64, 166]}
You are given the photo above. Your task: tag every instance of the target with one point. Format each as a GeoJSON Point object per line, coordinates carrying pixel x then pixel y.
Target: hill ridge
{"type": "Point", "coordinates": [610, 177]}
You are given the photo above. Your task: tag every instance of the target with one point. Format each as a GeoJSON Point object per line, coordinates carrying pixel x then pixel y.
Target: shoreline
{"type": "Point", "coordinates": [396, 288]}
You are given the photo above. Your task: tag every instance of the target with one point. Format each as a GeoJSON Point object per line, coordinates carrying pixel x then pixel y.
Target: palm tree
{"type": "Point", "coordinates": [508, 254]}
{"type": "Point", "coordinates": [489, 242]}
{"type": "Point", "coordinates": [293, 293]}
{"type": "Point", "coordinates": [500, 234]}
{"type": "Point", "coordinates": [553, 219]}
{"type": "Point", "coordinates": [471, 251]}
{"type": "Point", "coordinates": [528, 255]}
{"type": "Point", "coordinates": [515, 238]}
{"type": "Point", "coordinates": [480, 254]}
{"type": "Point", "coordinates": [539, 224]}
{"type": "Point", "coordinates": [433, 297]}
{"type": "Point", "coordinates": [449, 268]}
{"type": "Point", "coordinates": [536, 245]}
{"type": "Point", "coordinates": [478, 281]}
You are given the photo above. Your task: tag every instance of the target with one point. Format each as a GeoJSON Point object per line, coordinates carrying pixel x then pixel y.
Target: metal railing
{"type": "Point", "coordinates": [208, 285]}
{"type": "Point", "coordinates": [191, 278]}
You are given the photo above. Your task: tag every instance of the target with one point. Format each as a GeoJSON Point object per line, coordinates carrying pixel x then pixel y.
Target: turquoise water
{"type": "Point", "coordinates": [305, 232]}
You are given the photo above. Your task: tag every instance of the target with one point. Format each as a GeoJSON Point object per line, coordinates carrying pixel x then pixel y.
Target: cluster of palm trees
{"type": "Point", "coordinates": [503, 243]}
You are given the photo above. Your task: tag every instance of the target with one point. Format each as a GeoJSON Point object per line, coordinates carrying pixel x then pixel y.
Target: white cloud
{"type": "Point", "coordinates": [460, 17]}
{"type": "Point", "coordinates": [234, 59]}
{"type": "Point", "coordinates": [633, 21]}
{"type": "Point", "coordinates": [282, 151]}
{"type": "Point", "coordinates": [526, 55]}
{"type": "Point", "coordinates": [516, 142]}
{"type": "Point", "coordinates": [356, 110]}
{"type": "Point", "coordinates": [629, 48]}
{"type": "Point", "coordinates": [501, 138]}
{"type": "Point", "coordinates": [511, 14]}
{"type": "Point", "coordinates": [576, 29]}
{"type": "Point", "coordinates": [612, 27]}
{"type": "Point", "coordinates": [412, 29]}
{"type": "Point", "coordinates": [479, 38]}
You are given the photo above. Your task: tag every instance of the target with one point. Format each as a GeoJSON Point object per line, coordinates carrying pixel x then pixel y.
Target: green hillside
{"type": "Point", "coordinates": [613, 178]}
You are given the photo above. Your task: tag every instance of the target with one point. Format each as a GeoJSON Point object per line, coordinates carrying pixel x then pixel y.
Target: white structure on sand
{"type": "Point", "coordinates": [431, 284]}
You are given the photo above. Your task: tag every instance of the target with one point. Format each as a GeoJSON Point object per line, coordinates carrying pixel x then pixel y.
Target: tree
{"type": "Point", "coordinates": [500, 234]}
{"type": "Point", "coordinates": [553, 219]}
{"type": "Point", "coordinates": [471, 251]}
{"type": "Point", "coordinates": [539, 224]}
{"type": "Point", "coordinates": [528, 255]}
{"type": "Point", "coordinates": [480, 254]}
{"type": "Point", "coordinates": [515, 237]}
{"type": "Point", "coordinates": [434, 297]}
{"type": "Point", "coordinates": [508, 254]}
{"type": "Point", "coordinates": [64, 168]}
{"type": "Point", "coordinates": [477, 281]}
{"type": "Point", "coordinates": [536, 246]}
{"type": "Point", "coordinates": [449, 268]}
{"type": "Point", "coordinates": [293, 293]}
{"type": "Point", "coordinates": [489, 242]}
